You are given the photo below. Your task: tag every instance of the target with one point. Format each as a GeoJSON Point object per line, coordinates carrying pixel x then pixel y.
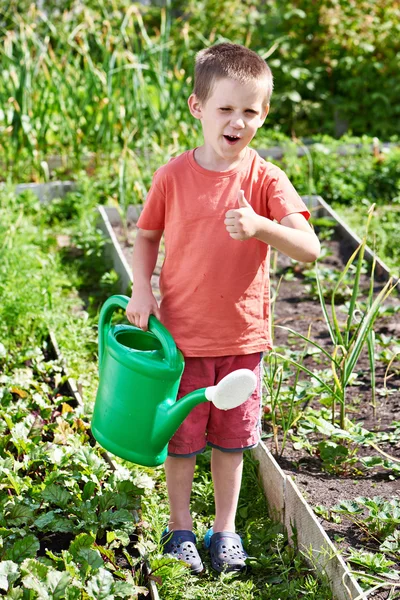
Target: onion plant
{"type": "Point", "coordinates": [283, 403]}
{"type": "Point", "coordinates": [348, 338]}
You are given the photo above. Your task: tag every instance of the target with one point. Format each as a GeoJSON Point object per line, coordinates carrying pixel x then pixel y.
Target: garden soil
{"type": "Point", "coordinates": [297, 309]}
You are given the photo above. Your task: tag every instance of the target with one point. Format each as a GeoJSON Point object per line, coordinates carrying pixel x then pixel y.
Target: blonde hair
{"type": "Point", "coordinates": [231, 61]}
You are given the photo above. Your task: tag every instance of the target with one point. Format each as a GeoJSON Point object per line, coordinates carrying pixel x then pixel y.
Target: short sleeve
{"type": "Point", "coordinates": [282, 197]}
{"type": "Point", "coordinates": [153, 213]}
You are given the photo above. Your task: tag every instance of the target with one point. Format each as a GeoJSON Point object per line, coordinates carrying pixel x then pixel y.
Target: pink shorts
{"type": "Point", "coordinates": [229, 430]}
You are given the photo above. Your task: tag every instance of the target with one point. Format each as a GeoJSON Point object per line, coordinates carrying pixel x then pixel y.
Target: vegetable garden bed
{"type": "Point", "coordinates": [328, 463]}
{"type": "Point", "coordinates": [329, 458]}
{"type": "Point", "coordinates": [58, 531]}
{"type": "Point", "coordinates": [69, 516]}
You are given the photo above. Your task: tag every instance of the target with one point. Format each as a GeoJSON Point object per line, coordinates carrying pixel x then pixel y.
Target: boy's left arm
{"type": "Point", "coordinates": [293, 235]}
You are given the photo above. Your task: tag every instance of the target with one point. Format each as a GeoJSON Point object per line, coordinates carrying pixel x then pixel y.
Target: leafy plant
{"type": "Point", "coordinates": [338, 448]}
{"type": "Point", "coordinates": [59, 499]}
{"type": "Point", "coordinates": [376, 563]}
{"type": "Point", "coordinates": [378, 520]}
{"type": "Point", "coordinates": [349, 339]}
{"type": "Point", "coordinates": [382, 518]}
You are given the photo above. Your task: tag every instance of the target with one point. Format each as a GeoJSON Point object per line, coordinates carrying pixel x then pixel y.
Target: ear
{"type": "Point", "coordinates": [195, 106]}
{"type": "Point", "coordinates": [264, 114]}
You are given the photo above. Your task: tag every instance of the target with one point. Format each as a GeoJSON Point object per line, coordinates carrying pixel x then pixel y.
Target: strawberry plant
{"type": "Point", "coordinates": [379, 523]}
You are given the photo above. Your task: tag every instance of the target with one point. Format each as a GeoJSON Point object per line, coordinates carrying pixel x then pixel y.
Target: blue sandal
{"type": "Point", "coordinates": [226, 551]}
{"type": "Point", "coordinates": [181, 544]}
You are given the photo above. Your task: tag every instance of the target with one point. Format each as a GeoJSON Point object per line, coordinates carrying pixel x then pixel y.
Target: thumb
{"type": "Point", "coordinates": [242, 200]}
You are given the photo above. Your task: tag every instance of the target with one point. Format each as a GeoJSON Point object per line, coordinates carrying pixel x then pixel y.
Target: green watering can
{"type": "Point", "coordinates": [136, 412]}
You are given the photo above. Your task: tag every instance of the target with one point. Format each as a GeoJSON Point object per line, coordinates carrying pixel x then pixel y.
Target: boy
{"type": "Point", "coordinates": [220, 207]}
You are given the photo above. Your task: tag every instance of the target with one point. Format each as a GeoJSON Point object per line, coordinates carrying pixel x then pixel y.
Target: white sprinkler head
{"type": "Point", "coordinates": [232, 390]}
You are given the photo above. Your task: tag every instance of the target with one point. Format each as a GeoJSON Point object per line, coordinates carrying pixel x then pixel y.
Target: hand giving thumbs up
{"type": "Point", "coordinates": [241, 223]}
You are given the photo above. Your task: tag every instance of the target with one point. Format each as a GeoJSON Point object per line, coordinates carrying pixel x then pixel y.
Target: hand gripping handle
{"type": "Point", "coordinates": [162, 334]}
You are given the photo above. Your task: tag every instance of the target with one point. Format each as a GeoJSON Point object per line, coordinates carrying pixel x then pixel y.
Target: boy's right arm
{"type": "Point", "coordinates": [143, 303]}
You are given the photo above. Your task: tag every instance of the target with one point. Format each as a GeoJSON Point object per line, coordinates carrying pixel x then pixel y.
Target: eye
{"type": "Point", "coordinates": [225, 109]}
{"type": "Point", "coordinates": [251, 111]}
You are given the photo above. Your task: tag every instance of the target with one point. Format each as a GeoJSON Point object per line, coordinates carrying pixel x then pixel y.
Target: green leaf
{"type": "Point", "coordinates": [99, 587]}
{"type": "Point", "coordinates": [375, 562]}
{"type": "Point", "coordinates": [88, 490]}
{"type": "Point", "coordinates": [58, 582]}
{"type": "Point", "coordinates": [348, 506]}
{"type": "Point", "coordinates": [30, 566]}
{"type": "Point", "coordinates": [34, 578]}
{"type": "Point", "coordinates": [33, 583]}
{"type": "Point", "coordinates": [116, 518]}
{"type": "Point", "coordinates": [47, 582]}
{"type": "Point", "coordinates": [91, 463]}
{"type": "Point", "coordinates": [57, 495]}
{"type": "Point", "coordinates": [371, 461]}
{"type": "Point", "coordinates": [8, 574]}
{"type": "Point", "coordinates": [18, 514]}
{"type": "Point", "coordinates": [128, 590]}
{"type": "Point", "coordinates": [331, 452]}
{"type": "Point", "coordinates": [83, 540]}
{"type": "Point", "coordinates": [59, 563]}
{"type": "Point", "coordinates": [91, 557]}
{"type": "Point", "coordinates": [117, 537]}
{"type": "Point", "coordinates": [15, 593]}
{"type": "Point", "coordinates": [26, 547]}
{"type": "Point", "coordinates": [366, 326]}
{"type": "Point", "coordinates": [391, 543]}
{"type": "Point", "coordinates": [15, 481]}
{"type": "Point", "coordinates": [294, 96]}
{"type": "Point", "coordinates": [44, 520]}
{"type": "Point", "coordinates": [107, 500]}
{"type": "Point", "coordinates": [128, 487]}
{"type": "Point", "coordinates": [73, 593]}
{"type": "Point", "coordinates": [109, 554]}
{"type": "Point", "coordinates": [63, 525]}
{"type": "Point", "coordinates": [322, 425]}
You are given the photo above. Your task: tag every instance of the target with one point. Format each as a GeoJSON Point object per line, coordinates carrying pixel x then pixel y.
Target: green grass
{"type": "Point", "coordinates": [278, 572]}
{"type": "Point", "coordinates": [52, 276]}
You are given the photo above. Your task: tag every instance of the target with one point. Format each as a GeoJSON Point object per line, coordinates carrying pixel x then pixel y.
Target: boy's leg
{"type": "Point", "coordinates": [226, 468]}
{"type": "Point", "coordinates": [224, 545]}
{"type": "Point", "coordinates": [179, 474]}
{"type": "Point", "coordinates": [229, 433]}
{"type": "Point", "coordinates": [189, 440]}
{"type": "Point", "coordinates": [179, 540]}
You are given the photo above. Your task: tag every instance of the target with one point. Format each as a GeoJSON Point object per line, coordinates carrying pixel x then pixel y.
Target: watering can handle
{"type": "Point", "coordinates": [166, 340]}
{"type": "Point", "coordinates": [162, 334]}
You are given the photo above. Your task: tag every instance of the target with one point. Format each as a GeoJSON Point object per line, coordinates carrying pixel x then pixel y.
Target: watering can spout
{"type": "Point", "coordinates": [229, 393]}
{"type": "Point", "coordinates": [173, 416]}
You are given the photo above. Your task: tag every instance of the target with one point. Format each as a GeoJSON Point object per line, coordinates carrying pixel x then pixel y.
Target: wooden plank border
{"type": "Point", "coordinates": [321, 208]}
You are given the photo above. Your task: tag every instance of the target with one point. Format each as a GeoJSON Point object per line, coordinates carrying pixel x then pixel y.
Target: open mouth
{"type": "Point", "coordinates": [232, 139]}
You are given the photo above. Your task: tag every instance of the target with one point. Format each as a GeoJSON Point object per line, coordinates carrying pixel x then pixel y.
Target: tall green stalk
{"type": "Point", "coordinates": [347, 346]}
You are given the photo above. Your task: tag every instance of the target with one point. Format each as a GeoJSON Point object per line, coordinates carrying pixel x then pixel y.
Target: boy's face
{"type": "Point", "coordinates": [230, 117]}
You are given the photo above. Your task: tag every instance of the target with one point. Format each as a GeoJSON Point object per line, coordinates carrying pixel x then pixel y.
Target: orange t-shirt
{"type": "Point", "coordinates": [215, 290]}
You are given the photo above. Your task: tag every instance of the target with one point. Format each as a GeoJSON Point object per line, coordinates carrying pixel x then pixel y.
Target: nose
{"type": "Point", "coordinates": [237, 122]}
